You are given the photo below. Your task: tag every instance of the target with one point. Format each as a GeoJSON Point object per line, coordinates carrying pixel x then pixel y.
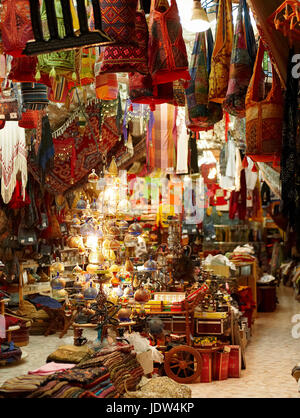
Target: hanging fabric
{"type": "Point", "coordinates": [118, 20]}
{"type": "Point", "coordinates": [219, 75]}
{"type": "Point", "coordinates": [13, 158]}
{"type": "Point", "coordinates": [161, 138]}
{"type": "Point", "coordinates": [15, 26]}
{"type": "Point", "coordinates": [167, 51]}
{"type": "Point", "coordinates": [241, 67]}
{"type": "Point", "coordinates": [23, 69]}
{"type": "Point", "coordinates": [264, 119]}
{"type": "Point", "coordinates": [290, 158]}
{"type": "Point", "coordinates": [201, 114]}
{"type": "Point", "coordinates": [45, 151]}
{"type": "Point", "coordinates": [10, 109]}
{"type": "Point", "coordinates": [130, 58]}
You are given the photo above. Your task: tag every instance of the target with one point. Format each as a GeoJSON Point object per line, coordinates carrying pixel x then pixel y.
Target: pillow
{"type": "Point", "coordinates": [68, 354]}
{"type": "Point", "coordinates": [125, 59]}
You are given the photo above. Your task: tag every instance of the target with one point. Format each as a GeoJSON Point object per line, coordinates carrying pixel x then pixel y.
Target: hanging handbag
{"type": "Point", "coordinates": [202, 114]}
{"type": "Point", "coordinates": [15, 25]}
{"type": "Point", "coordinates": [141, 90]}
{"type": "Point", "coordinates": [88, 60]}
{"type": "Point", "coordinates": [10, 109]}
{"type": "Point", "coordinates": [62, 63]}
{"type": "Point", "coordinates": [125, 59]}
{"type": "Point", "coordinates": [264, 119]}
{"type": "Point", "coordinates": [29, 119]}
{"type": "Point", "coordinates": [107, 86]}
{"type": "Point", "coordinates": [119, 19]}
{"type": "Point", "coordinates": [219, 75]}
{"type": "Point", "coordinates": [241, 66]}
{"type": "Point", "coordinates": [61, 90]}
{"type": "Point", "coordinates": [166, 49]}
{"type": "Point", "coordinates": [34, 96]}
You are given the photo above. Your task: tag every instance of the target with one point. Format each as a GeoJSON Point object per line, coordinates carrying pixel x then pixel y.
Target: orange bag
{"type": "Point", "coordinates": [221, 57]}
{"type": "Point", "coordinates": [107, 86]}
{"type": "Point", "coordinates": [264, 119]}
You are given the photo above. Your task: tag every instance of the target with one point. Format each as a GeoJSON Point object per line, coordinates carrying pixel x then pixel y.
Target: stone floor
{"type": "Point", "coordinates": [270, 356]}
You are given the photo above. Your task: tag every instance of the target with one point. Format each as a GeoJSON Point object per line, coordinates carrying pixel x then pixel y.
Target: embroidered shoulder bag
{"type": "Point", "coordinates": [264, 119]}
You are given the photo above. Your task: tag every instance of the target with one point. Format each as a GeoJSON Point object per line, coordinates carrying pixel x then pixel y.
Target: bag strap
{"type": "Point", "coordinates": [275, 93]}
{"type": "Point", "coordinates": [249, 33]}
{"type": "Point", "coordinates": [257, 71]}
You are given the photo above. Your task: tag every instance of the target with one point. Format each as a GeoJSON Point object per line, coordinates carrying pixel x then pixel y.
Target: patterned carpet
{"type": "Point", "coordinates": [270, 356]}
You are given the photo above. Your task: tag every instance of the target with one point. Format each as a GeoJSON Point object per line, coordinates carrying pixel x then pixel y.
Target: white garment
{"type": "Point", "coordinates": [13, 158]}
{"type": "Point", "coordinates": [251, 177]}
{"type": "Point", "coordinates": [182, 145]}
{"type": "Point", "coordinates": [228, 182]}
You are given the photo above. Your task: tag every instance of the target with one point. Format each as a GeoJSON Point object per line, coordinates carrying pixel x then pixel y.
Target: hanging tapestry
{"type": "Point", "coordinates": [13, 158]}
{"type": "Point", "coordinates": [77, 152]}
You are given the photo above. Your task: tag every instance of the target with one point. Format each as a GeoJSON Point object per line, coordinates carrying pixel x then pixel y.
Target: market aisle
{"type": "Point", "coordinates": [270, 356]}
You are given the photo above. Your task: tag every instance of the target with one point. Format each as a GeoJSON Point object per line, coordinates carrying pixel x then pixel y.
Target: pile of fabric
{"type": "Point", "coordinates": [102, 373]}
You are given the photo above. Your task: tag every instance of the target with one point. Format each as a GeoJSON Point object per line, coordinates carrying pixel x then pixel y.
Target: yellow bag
{"type": "Point", "coordinates": [221, 57]}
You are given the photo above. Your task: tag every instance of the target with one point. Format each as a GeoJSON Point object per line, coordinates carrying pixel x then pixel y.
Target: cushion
{"type": "Point", "coordinates": [68, 354]}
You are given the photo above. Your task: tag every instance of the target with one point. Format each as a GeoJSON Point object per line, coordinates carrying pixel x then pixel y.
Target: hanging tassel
{"type": "Point", "coordinates": [38, 75]}
{"type": "Point", "coordinates": [254, 168]}
{"type": "Point", "coordinates": [245, 162]}
{"type": "Point", "coordinates": [52, 72]}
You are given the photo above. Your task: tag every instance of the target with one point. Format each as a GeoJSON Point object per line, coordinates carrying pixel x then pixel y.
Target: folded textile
{"type": "Point", "coordinates": [52, 367]}
{"type": "Point", "coordinates": [41, 300]}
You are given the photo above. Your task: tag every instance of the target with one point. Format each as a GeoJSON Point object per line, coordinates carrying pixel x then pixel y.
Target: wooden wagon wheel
{"type": "Point", "coordinates": [183, 364]}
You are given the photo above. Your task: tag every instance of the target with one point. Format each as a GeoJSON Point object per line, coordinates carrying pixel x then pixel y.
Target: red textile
{"type": "Point", "coordinates": [167, 52]}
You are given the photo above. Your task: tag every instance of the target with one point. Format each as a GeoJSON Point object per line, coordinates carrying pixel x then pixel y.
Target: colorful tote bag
{"type": "Point", "coordinates": [119, 20]}
{"type": "Point", "coordinates": [107, 87]}
{"type": "Point", "coordinates": [202, 114]}
{"type": "Point", "coordinates": [29, 119]}
{"type": "Point", "coordinates": [129, 58]}
{"type": "Point", "coordinates": [15, 25]}
{"type": "Point", "coordinates": [34, 96]}
{"type": "Point", "coordinates": [241, 66]}
{"type": "Point", "coordinates": [219, 75]}
{"type": "Point", "coordinates": [167, 51]}
{"type": "Point", "coordinates": [61, 90]}
{"type": "Point", "coordinates": [87, 64]}
{"type": "Point", "coordinates": [57, 63]}
{"type": "Point", "coordinates": [264, 118]}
